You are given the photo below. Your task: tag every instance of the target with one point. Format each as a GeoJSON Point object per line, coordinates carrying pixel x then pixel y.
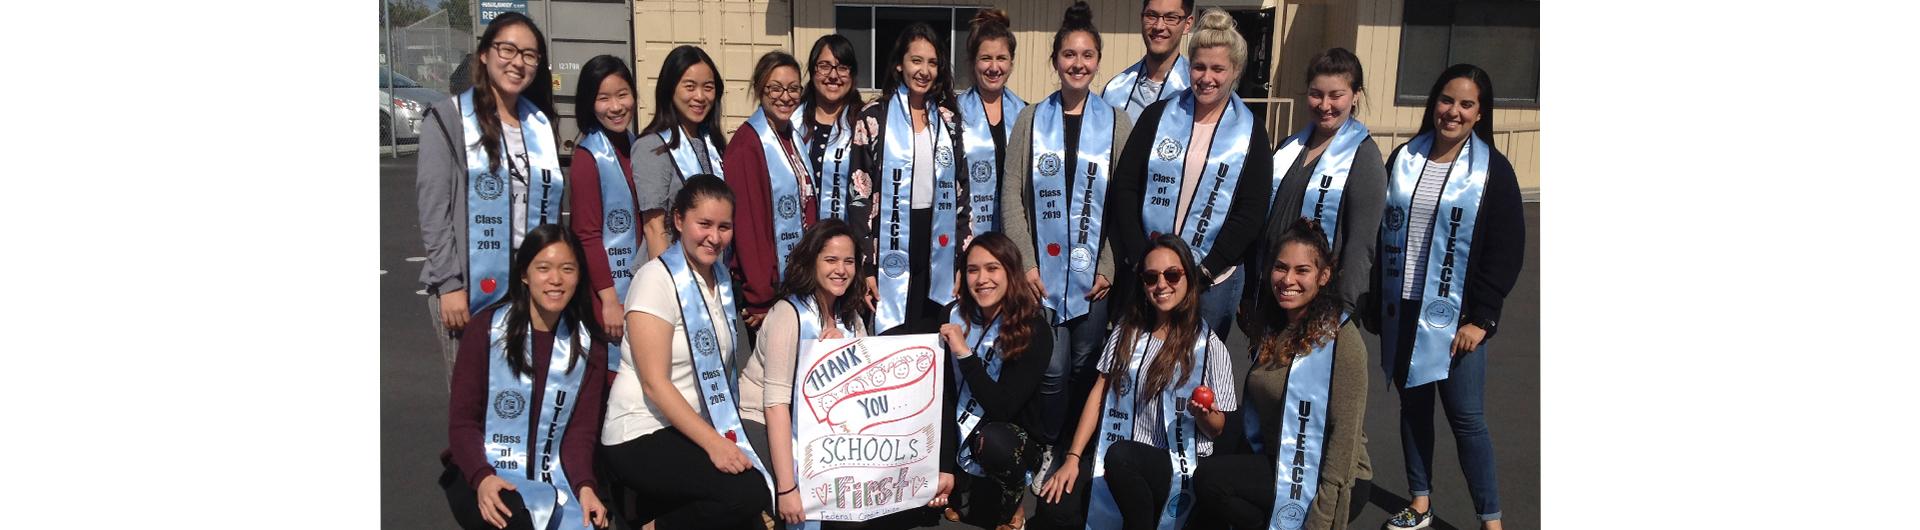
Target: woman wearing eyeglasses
{"type": "Point", "coordinates": [683, 139]}
{"type": "Point", "coordinates": [489, 171]}
{"type": "Point", "coordinates": [829, 105]}
{"type": "Point", "coordinates": [774, 188]}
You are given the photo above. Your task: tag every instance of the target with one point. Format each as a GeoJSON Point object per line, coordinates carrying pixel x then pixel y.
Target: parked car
{"type": "Point", "coordinates": [401, 108]}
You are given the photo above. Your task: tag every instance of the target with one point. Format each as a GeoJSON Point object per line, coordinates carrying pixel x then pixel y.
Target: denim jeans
{"type": "Point", "coordinates": [1076, 352]}
{"type": "Point", "coordinates": [1463, 395]}
{"type": "Point", "coordinates": [1220, 302]}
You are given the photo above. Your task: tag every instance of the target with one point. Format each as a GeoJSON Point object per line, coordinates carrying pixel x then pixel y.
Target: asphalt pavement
{"type": "Point", "coordinates": [413, 396]}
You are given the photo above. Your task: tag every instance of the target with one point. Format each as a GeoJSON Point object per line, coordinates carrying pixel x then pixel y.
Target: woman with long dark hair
{"type": "Point", "coordinates": [1052, 191]}
{"type": "Point", "coordinates": [773, 184]}
{"type": "Point", "coordinates": [489, 172]}
{"type": "Point", "coordinates": [1445, 183]}
{"type": "Point", "coordinates": [829, 107]}
{"type": "Point", "coordinates": [1305, 405]}
{"type": "Point", "coordinates": [1165, 384]}
{"type": "Point", "coordinates": [683, 139]}
{"type": "Point", "coordinates": [908, 141]}
{"type": "Point", "coordinates": [603, 207]}
{"type": "Point", "coordinates": [986, 109]}
{"type": "Point", "coordinates": [673, 430]}
{"type": "Point", "coordinates": [1196, 170]}
{"type": "Point", "coordinates": [1001, 345]}
{"type": "Point", "coordinates": [520, 443]}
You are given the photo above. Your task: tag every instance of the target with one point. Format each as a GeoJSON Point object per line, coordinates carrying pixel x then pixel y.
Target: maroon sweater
{"type": "Point", "coordinates": [467, 407]}
{"type": "Point", "coordinates": [583, 191]}
{"type": "Point", "coordinates": [753, 258]}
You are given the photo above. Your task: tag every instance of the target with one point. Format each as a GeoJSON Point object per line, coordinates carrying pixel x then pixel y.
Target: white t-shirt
{"type": "Point", "coordinates": [629, 414]}
{"type": "Point", "coordinates": [923, 168]}
{"type": "Point", "coordinates": [518, 168]}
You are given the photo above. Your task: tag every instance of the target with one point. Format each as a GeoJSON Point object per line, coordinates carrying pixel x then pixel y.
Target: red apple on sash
{"type": "Point", "coordinates": [1203, 396]}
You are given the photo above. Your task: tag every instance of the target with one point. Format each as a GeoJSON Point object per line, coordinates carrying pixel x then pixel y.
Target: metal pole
{"type": "Point", "coordinates": [393, 132]}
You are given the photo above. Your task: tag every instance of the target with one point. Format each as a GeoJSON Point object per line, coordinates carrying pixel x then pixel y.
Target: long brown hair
{"type": "Point", "coordinates": [1281, 340]}
{"type": "Point", "coordinates": [803, 265]}
{"type": "Point", "coordinates": [540, 91]}
{"type": "Point", "coordinates": [1017, 307]}
{"type": "Point", "coordinates": [1183, 325]}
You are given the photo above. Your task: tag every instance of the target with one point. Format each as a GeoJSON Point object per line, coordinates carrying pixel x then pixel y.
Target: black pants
{"type": "Point", "coordinates": [922, 313]}
{"type": "Point", "coordinates": [1237, 491]}
{"type": "Point", "coordinates": [1139, 476]}
{"type": "Point", "coordinates": [679, 487]}
{"type": "Point", "coordinates": [465, 503]}
{"type": "Point", "coordinates": [1006, 452]}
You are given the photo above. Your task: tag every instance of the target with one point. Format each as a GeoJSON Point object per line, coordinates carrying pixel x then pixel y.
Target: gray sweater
{"type": "Point", "coordinates": [440, 180]}
{"type": "Point", "coordinates": [1345, 459]}
{"type": "Point", "coordinates": [1360, 206]}
{"type": "Point", "coordinates": [1017, 181]}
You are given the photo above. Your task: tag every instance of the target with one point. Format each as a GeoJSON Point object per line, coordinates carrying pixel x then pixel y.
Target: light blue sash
{"type": "Point", "coordinates": [981, 154]}
{"type": "Point", "coordinates": [1322, 200]}
{"type": "Point", "coordinates": [1182, 435]}
{"type": "Point", "coordinates": [547, 493]}
{"type": "Point", "coordinates": [1448, 248]}
{"type": "Point", "coordinates": [1303, 435]}
{"type": "Point", "coordinates": [834, 175]}
{"type": "Point", "coordinates": [786, 174]}
{"type": "Point", "coordinates": [896, 207]}
{"type": "Point", "coordinates": [686, 159]}
{"type": "Point", "coordinates": [1207, 211]}
{"type": "Point", "coordinates": [490, 199]}
{"type": "Point", "coordinates": [1119, 91]}
{"type": "Point", "coordinates": [1062, 222]}
{"type": "Point", "coordinates": [809, 330]}
{"type": "Point", "coordinates": [968, 410]}
{"type": "Point", "coordinates": [718, 386]}
{"type": "Point", "coordinates": [616, 225]}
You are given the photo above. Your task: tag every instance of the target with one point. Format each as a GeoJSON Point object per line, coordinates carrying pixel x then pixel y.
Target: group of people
{"type": "Point", "coordinates": [1080, 256]}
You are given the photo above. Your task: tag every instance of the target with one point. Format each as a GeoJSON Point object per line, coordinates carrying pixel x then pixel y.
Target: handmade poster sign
{"type": "Point", "coordinates": [867, 425]}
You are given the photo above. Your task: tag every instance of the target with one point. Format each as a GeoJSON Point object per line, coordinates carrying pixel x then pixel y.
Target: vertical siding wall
{"type": "Point", "coordinates": [736, 32]}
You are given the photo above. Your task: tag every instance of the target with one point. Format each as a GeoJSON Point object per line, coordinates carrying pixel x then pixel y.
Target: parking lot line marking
{"type": "Point", "coordinates": [416, 259]}
{"type": "Point", "coordinates": [422, 292]}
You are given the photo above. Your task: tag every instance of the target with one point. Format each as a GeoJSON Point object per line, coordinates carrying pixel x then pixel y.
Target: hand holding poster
{"type": "Point", "coordinates": [868, 425]}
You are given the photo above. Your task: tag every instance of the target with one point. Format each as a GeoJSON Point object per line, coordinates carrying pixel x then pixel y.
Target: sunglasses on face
{"type": "Point", "coordinates": [1152, 278]}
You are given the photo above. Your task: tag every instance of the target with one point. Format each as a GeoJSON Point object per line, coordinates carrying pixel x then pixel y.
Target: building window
{"type": "Point", "coordinates": [874, 28]}
{"type": "Point", "coordinates": [1500, 36]}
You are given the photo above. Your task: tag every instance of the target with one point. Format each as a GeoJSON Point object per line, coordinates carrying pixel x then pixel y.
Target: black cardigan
{"type": "Point", "coordinates": [1499, 248]}
{"type": "Point", "coordinates": [1246, 219]}
{"type": "Point", "coordinates": [1012, 398]}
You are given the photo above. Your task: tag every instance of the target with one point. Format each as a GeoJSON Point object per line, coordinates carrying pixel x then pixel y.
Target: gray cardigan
{"type": "Point", "coordinates": [440, 180]}
{"type": "Point", "coordinates": [1017, 181]}
{"type": "Point", "coordinates": [1360, 206]}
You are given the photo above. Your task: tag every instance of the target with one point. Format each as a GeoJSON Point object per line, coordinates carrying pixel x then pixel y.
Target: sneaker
{"type": "Point", "coordinates": [1039, 478]}
{"type": "Point", "coordinates": [1408, 519]}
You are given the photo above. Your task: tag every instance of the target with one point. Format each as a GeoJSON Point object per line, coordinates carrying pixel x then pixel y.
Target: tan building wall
{"type": "Point", "coordinates": [737, 32]}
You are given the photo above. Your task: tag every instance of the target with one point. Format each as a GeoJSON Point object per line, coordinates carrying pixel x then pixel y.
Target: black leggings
{"type": "Point", "coordinates": [679, 487]}
{"type": "Point", "coordinates": [465, 503]}
{"type": "Point", "coordinates": [1236, 491]}
{"type": "Point", "coordinates": [1139, 476]}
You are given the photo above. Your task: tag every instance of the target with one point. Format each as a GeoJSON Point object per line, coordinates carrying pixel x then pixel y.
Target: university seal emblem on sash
{"type": "Point", "coordinates": [1049, 164]}
{"type": "Point", "coordinates": [619, 221]}
{"type": "Point", "coordinates": [489, 186]}
{"type": "Point", "coordinates": [704, 342]}
{"type": "Point", "coordinates": [1292, 516]}
{"type": "Point", "coordinates": [1122, 384]}
{"type": "Point", "coordinates": [944, 156]}
{"type": "Point", "coordinates": [1440, 313]}
{"type": "Point", "coordinates": [789, 207]}
{"type": "Point", "coordinates": [1396, 218]}
{"type": "Point", "coordinates": [1168, 149]}
{"type": "Point", "coordinates": [894, 264]}
{"type": "Point", "coordinates": [509, 404]}
{"type": "Point", "coordinates": [982, 171]}
{"type": "Point", "coordinates": [1082, 259]}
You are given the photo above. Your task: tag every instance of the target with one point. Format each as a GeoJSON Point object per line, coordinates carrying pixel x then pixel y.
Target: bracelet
{"type": "Point", "coordinates": [789, 490]}
{"type": "Point", "coordinates": [1073, 454]}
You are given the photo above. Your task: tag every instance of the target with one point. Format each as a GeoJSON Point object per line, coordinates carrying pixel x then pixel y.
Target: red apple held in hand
{"type": "Point", "coordinates": [1203, 396]}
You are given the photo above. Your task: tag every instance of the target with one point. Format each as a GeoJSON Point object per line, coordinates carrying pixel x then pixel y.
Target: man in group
{"type": "Point", "coordinates": [1163, 72]}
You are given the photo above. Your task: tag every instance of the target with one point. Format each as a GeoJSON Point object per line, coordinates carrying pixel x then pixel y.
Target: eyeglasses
{"type": "Point", "coordinates": [823, 68]}
{"type": "Point", "coordinates": [506, 51]}
{"type": "Point", "coordinates": [1148, 18]}
{"type": "Point", "coordinates": [774, 89]}
{"type": "Point", "coordinates": [1152, 278]}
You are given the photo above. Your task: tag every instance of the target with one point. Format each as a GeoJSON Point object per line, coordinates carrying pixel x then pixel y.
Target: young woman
{"type": "Point", "coordinates": [1156, 423]}
{"type": "Point", "coordinates": [907, 141]}
{"type": "Point", "coordinates": [820, 298]}
{"type": "Point", "coordinates": [772, 182]}
{"type": "Point", "coordinates": [1333, 177]}
{"type": "Point", "coordinates": [1001, 345]}
{"type": "Point", "coordinates": [985, 109]}
{"type": "Point", "coordinates": [1311, 365]}
{"type": "Point", "coordinates": [673, 427]}
{"type": "Point", "coordinates": [489, 171]}
{"type": "Point", "coordinates": [603, 208]}
{"type": "Point", "coordinates": [519, 443]}
{"type": "Point", "coordinates": [1193, 175]}
{"type": "Point", "coordinates": [1064, 150]}
{"type": "Point", "coordinates": [683, 139]}
{"type": "Point", "coordinates": [828, 112]}
{"type": "Point", "coordinates": [1441, 292]}
{"type": "Point", "coordinates": [1162, 73]}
